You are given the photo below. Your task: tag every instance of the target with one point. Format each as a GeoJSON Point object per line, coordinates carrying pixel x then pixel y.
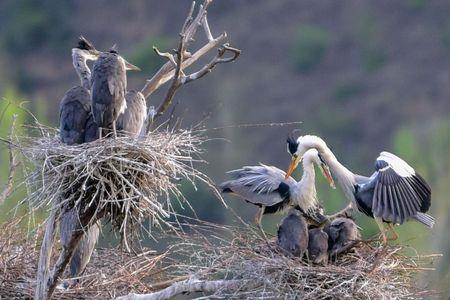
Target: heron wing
{"type": "Point", "coordinates": [133, 118]}
{"type": "Point", "coordinates": [261, 185]}
{"type": "Point", "coordinates": [399, 192]}
{"type": "Point", "coordinates": [73, 113]}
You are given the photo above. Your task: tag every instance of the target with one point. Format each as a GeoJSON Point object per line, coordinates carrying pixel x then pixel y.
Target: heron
{"type": "Point", "coordinates": [109, 85]}
{"type": "Point", "coordinates": [77, 126]}
{"type": "Point", "coordinates": [293, 234]}
{"type": "Point", "coordinates": [269, 188]}
{"type": "Point", "coordinates": [133, 118]}
{"type": "Point", "coordinates": [341, 232]}
{"type": "Point", "coordinates": [76, 123]}
{"type": "Point", "coordinates": [393, 194]}
{"type": "Point", "coordinates": [318, 246]}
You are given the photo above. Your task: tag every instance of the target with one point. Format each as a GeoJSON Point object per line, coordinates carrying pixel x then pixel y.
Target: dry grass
{"type": "Point", "coordinates": [124, 180]}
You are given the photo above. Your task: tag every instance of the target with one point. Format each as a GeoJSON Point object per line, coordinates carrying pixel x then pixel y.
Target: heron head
{"type": "Point", "coordinates": [128, 66]}
{"type": "Point", "coordinates": [86, 49]}
{"type": "Point", "coordinates": [296, 150]}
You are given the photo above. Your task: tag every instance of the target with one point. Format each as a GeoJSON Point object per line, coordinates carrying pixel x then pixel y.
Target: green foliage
{"type": "Point", "coordinates": [416, 4]}
{"type": "Point", "coordinates": [309, 47]}
{"type": "Point", "coordinates": [445, 35]}
{"type": "Point", "coordinates": [346, 90]}
{"type": "Point", "coordinates": [368, 37]}
{"type": "Point", "coordinates": [30, 24]}
{"type": "Point", "coordinates": [145, 57]}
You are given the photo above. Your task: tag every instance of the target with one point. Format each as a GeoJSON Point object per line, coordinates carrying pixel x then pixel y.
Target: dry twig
{"type": "Point", "coordinates": [13, 164]}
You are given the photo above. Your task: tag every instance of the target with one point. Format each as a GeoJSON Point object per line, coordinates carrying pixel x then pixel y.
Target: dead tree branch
{"type": "Point", "coordinates": [13, 164]}
{"type": "Point", "coordinates": [187, 286]}
{"type": "Point", "coordinates": [175, 66]}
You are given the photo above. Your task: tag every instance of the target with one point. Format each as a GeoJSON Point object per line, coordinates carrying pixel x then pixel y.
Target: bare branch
{"type": "Point", "coordinates": [187, 286]}
{"type": "Point", "coordinates": [12, 165]}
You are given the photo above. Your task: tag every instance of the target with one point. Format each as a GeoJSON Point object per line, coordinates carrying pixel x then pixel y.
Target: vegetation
{"type": "Point", "coordinates": [310, 43]}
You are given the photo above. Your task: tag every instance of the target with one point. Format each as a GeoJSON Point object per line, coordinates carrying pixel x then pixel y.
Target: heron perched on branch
{"type": "Point", "coordinates": [394, 194]}
{"type": "Point", "coordinates": [269, 188]}
{"type": "Point", "coordinates": [77, 126]}
{"type": "Point", "coordinates": [109, 85]}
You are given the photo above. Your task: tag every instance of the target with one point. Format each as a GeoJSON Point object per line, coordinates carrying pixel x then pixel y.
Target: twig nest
{"type": "Point", "coordinates": [123, 179]}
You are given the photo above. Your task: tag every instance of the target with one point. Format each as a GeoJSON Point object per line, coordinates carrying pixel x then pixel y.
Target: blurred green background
{"type": "Point", "coordinates": [365, 76]}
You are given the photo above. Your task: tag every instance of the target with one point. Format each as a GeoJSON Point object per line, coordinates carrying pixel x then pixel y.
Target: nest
{"type": "Point", "coordinates": [124, 180]}
{"type": "Point", "coordinates": [262, 271]}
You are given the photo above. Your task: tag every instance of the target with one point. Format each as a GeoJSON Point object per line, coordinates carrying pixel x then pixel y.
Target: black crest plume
{"type": "Point", "coordinates": [292, 144]}
{"type": "Point", "coordinates": [84, 44]}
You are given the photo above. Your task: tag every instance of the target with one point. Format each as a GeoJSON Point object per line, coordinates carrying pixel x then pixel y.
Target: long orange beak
{"type": "Point", "coordinates": [292, 166]}
{"type": "Point", "coordinates": [326, 173]}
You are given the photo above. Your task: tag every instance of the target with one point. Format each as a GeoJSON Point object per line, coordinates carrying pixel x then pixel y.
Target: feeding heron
{"type": "Point", "coordinates": [109, 85]}
{"type": "Point", "coordinates": [269, 188]}
{"type": "Point", "coordinates": [293, 234]}
{"type": "Point", "coordinates": [76, 124]}
{"type": "Point", "coordinates": [133, 118]}
{"type": "Point", "coordinates": [394, 194]}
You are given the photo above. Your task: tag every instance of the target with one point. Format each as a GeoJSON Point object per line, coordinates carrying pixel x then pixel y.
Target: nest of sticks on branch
{"type": "Point", "coordinates": [238, 264]}
{"type": "Point", "coordinates": [123, 180]}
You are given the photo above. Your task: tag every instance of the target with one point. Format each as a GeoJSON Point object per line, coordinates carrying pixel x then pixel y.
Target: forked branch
{"type": "Point", "coordinates": [175, 65]}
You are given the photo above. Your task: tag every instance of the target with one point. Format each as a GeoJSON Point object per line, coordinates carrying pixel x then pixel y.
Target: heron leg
{"type": "Point", "coordinates": [258, 219]}
{"type": "Point", "coordinates": [395, 235]}
{"type": "Point", "coordinates": [99, 133]}
{"type": "Point", "coordinates": [382, 230]}
{"type": "Point", "coordinates": [114, 129]}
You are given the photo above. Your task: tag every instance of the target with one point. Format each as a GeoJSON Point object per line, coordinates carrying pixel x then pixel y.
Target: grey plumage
{"type": "Point", "coordinates": [132, 120]}
{"type": "Point", "coordinates": [293, 234]}
{"type": "Point", "coordinates": [266, 186]}
{"type": "Point", "coordinates": [341, 232]}
{"type": "Point", "coordinates": [74, 112]}
{"type": "Point", "coordinates": [109, 85]}
{"type": "Point", "coordinates": [318, 246]}
{"type": "Point", "coordinates": [83, 252]}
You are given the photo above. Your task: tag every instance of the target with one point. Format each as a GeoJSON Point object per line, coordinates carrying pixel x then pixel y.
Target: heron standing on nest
{"type": "Point", "coordinates": [394, 194]}
{"type": "Point", "coordinates": [133, 118]}
{"type": "Point", "coordinates": [109, 85]}
{"type": "Point", "coordinates": [272, 190]}
{"type": "Point", "coordinates": [77, 126]}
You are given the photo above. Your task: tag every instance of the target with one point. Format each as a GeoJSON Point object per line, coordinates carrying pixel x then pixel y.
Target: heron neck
{"type": "Point", "coordinates": [82, 69]}
{"type": "Point", "coordinates": [344, 177]}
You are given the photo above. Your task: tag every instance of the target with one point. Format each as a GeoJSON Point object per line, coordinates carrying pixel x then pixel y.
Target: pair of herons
{"type": "Point", "coordinates": [90, 111]}
{"type": "Point", "coordinates": [393, 194]}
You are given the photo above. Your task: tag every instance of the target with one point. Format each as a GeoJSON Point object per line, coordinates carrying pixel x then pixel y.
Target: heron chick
{"type": "Point", "coordinates": [318, 246]}
{"type": "Point", "coordinates": [341, 232]}
{"type": "Point", "coordinates": [293, 234]}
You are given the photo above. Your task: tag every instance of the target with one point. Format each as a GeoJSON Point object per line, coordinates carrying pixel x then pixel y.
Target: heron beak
{"type": "Point", "coordinates": [326, 173]}
{"type": "Point", "coordinates": [130, 66]}
{"type": "Point", "coordinates": [293, 165]}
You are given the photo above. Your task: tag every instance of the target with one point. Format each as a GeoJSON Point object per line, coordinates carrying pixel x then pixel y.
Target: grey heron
{"type": "Point", "coordinates": [132, 120]}
{"type": "Point", "coordinates": [293, 234]}
{"type": "Point", "coordinates": [393, 194]}
{"type": "Point", "coordinates": [318, 246]}
{"type": "Point", "coordinates": [341, 232]}
{"type": "Point", "coordinates": [75, 119]}
{"type": "Point", "coordinates": [109, 85]}
{"type": "Point", "coordinates": [269, 188]}
{"type": "Point", "coordinates": [77, 126]}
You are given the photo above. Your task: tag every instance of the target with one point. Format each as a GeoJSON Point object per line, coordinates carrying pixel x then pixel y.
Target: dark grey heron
{"type": "Point", "coordinates": [133, 118]}
{"type": "Point", "coordinates": [341, 232]}
{"type": "Point", "coordinates": [77, 126]}
{"type": "Point", "coordinates": [293, 234]}
{"type": "Point", "coordinates": [318, 246]}
{"type": "Point", "coordinates": [82, 254]}
{"type": "Point", "coordinates": [76, 123]}
{"type": "Point", "coordinates": [109, 85]}
{"type": "Point", "coordinates": [269, 188]}
{"type": "Point", "coordinates": [394, 194]}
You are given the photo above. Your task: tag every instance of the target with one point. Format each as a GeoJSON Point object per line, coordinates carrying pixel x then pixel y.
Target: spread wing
{"type": "Point", "coordinates": [399, 192]}
{"type": "Point", "coordinates": [260, 185]}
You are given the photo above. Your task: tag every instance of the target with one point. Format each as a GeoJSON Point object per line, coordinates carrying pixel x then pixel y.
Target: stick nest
{"type": "Point", "coordinates": [123, 179]}
{"type": "Point", "coordinates": [368, 271]}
